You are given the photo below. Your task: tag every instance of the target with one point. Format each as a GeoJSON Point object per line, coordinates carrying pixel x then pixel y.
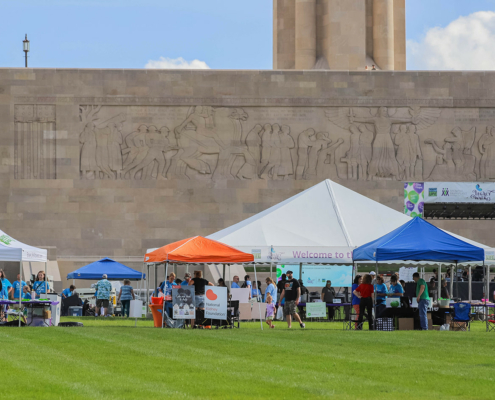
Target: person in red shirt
{"type": "Point", "coordinates": [365, 292]}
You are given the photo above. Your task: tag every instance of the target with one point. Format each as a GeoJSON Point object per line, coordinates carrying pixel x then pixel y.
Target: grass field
{"type": "Point", "coordinates": [111, 359]}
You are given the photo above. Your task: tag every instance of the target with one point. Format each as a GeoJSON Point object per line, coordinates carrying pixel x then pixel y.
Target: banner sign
{"type": "Point", "coordinates": [319, 275]}
{"type": "Point", "coordinates": [216, 302]}
{"type": "Point", "coordinates": [316, 310]}
{"type": "Point", "coordinates": [414, 199]}
{"type": "Point", "coordinates": [183, 302]}
{"type": "Point", "coordinates": [282, 269]}
{"type": "Point", "coordinates": [300, 254]}
{"type": "Point", "coordinates": [459, 192]}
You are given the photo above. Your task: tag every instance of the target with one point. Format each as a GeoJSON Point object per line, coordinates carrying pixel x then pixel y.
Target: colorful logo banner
{"type": "Point", "coordinates": [414, 199]}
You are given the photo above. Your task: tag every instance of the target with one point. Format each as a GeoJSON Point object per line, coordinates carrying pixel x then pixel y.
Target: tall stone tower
{"type": "Point", "coordinates": [339, 34]}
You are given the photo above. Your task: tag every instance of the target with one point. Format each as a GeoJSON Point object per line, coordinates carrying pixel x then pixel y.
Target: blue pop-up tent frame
{"type": "Point", "coordinates": [418, 240]}
{"type": "Point", "coordinates": [113, 269]}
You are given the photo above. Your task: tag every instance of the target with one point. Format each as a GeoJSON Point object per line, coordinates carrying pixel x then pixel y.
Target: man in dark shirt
{"type": "Point", "coordinates": [292, 295]}
{"type": "Point", "coordinates": [199, 291]}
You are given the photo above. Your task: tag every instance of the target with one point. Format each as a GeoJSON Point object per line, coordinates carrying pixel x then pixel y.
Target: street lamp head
{"type": "Point", "coordinates": [25, 44]}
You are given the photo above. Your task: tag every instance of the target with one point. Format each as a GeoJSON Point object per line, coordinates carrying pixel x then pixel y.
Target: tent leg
{"type": "Point", "coordinates": [45, 278]}
{"type": "Point", "coordinates": [470, 295]}
{"type": "Point", "coordinates": [271, 270]}
{"type": "Point", "coordinates": [20, 293]}
{"type": "Point", "coordinates": [164, 291]}
{"type": "Point", "coordinates": [439, 282]}
{"type": "Point", "coordinates": [300, 270]}
{"type": "Point", "coordinates": [487, 295]}
{"type": "Point", "coordinates": [259, 306]}
{"type": "Point", "coordinates": [452, 283]}
{"type": "Point", "coordinates": [146, 296]}
{"type": "Point", "coordinates": [374, 297]}
{"type": "Point", "coordinates": [223, 273]}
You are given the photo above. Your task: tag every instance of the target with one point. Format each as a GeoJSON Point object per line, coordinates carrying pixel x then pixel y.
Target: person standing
{"type": "Point", "coordinates": [271, 289]}
{"type": "Point", "coordinates": [103, 288]}
{"type": "Point", "coordinates": [221, 283]}
{"type": "Point", "coordinates": [199, 291]}
{"type": "Point", "coordinates": [423, 300]}
{"type": "Point", "coordinates": [17, 287]}
{"type": "Point", "coordinates": [5, 290]}
{"type": "Point", "coordinates": [396, 289]}
{"type": "Point", "coordinates": [270, 310]}
{"type": "Point", "coordinates": [126, 294]}
{"type": "Point", "coordinates": [187, 278]}
{"type": "Point", "coordinates": [365, 293]}
{"type": "Point", "coordinates": [327, 295]}
{"type": "Point", "coordinates": [292, 294]}
{"type": "Point", "coordinates": [444, 291]}
{"type": "Point", "coordinates": [255, 292]}
{"type": "Point", "coordinates": [166, 288]}
{"type": "Point", "coordinates": [68, 292]}
{"type": "Point", "coordinates": [381, 296]}
{"type": "Point", "coordinates": [40, 286]}
{"type": "Point", "coordinates": [355, 300]}
{"type": "Point", "coordinates": [235, 283]}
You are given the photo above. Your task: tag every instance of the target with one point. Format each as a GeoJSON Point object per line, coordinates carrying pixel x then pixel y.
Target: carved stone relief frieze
{"type": "Point", "coordinates": [34, 141]}
{"type": "Point", "coordinates": [281, 143]}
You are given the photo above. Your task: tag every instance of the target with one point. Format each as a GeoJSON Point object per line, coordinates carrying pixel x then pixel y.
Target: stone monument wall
{"type": "Point", "coordinates": [111, 162]}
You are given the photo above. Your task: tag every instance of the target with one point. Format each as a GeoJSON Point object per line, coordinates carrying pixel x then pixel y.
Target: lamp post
{"type": "Point", "coordinates": [25, 47]}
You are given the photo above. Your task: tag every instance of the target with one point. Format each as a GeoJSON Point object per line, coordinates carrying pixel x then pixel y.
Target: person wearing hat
{"type": "Point", "coordinates": [373, 277]}
{"type": "Point", "coordinates": [292, 294]}
{"type": "Point", "coordinates": [103, 287]}
{"type": "Point", "coordinates": [187, 278]}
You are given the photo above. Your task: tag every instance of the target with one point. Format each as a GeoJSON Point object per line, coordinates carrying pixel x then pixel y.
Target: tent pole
{"type": "Point", "coordinates": [146, 266]}
{"type": "Point", "coordinates": [452, 282]}
{"type": "Point", "coordinates": [487, 295]}
{"type": "Point", "coordinates": [45, 278]}
{"type": "Point", "coordinates": [470, 296]}
{"type": "Point", "coordinates": [300, 270]}
{"type": "Point", "coordinates": [223, 273]}
{"type": "Point", "coordinates": [374, 295]}
{"type": "Point", "coordinates": [20, 293]}
{"type": "Point", "coordinates": [257, 288]}
{"type": "Point", "coordinates": [164, 291]}
{"type": "Point", "coordinates": [271, 269]}
{"type": "Point", "coordinates": [439, 282]}
{"type": "Point", "coordinates": [156, 279]}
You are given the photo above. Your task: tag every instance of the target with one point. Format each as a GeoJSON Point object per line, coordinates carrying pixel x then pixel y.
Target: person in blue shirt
{"type": "Point", "coordinates": [6, 286]}
{"type": "Point", "coordinates": [271, 289]}
{"type": "Point", "coordinates": [356, 300]}
{"type": "Point", "coordinates": [247, 284]}
{"type": "Point", "coordinates": [25, 293]}
{"type": "Point", "coordinates": [396, 290]}
{"type": "Point", "coordinates": [18, 285]}
{"type": "Point", "coordinates": [381, 293]}
{"type": "Point", "coordinates": [103, 292]}
{"type": "Point", "coordinates": [126, 294]}
{"type": "Point", "coordinates": [187, 278]}
{"type": "Point", "coordinates": [166, 289]}
{"type": "Point", "coordinates": [255, 292]}
{"type": "Point", "coordinates": [235, 283]}
{"type": "Point", "coordinates": [68, 292]}
{"type": "Point", "coordinates": [40, 286]}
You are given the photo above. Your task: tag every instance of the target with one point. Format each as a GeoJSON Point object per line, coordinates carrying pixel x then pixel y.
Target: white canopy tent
{"type": "Point", "coordinates": [14, 251]}
{"type": "Point", "coordinates": [317, 225]}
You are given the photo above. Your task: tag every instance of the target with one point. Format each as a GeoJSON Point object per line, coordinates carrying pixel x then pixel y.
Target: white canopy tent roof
{"type": "Point", "coordinates": [13, 250]}
{"type": "Point", "coordinates": [322, 224]}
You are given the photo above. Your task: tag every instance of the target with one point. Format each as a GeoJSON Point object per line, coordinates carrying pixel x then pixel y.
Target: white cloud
{"type": "Point", "coordinates": [465, 44]}
{"type": "Point", "coordinates": [176, 63]}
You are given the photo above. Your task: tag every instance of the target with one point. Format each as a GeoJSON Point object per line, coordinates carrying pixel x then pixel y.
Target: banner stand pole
{"type": "Point", "coordinates": [374, 295]}
{"type": "Point", "coordinates": [257, 288]}
{"type": "Point", "coordinates": [164, 291]}
{"type": "Point", "coordinates": [20, 293]}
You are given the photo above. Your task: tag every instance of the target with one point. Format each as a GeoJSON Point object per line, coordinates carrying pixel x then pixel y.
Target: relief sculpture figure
{"type": "Point", "coordinates": [304, 142]}
{"type": "Point", "coordinates": [444, 168]}
{"type": "Point", "coordinates": [326, 167]}
{"type": "Point", "coordinates": [319, 142]}
{"type": "Point", "coordinates": [138, 149]}
{"type": "Point", "coordinates": [266, 146]}
{"type": "Point", "coordinates": [253, 142]}
{"type": "Point", "coordinates": [271, 169]}
{"type": "Point", "coordinates": [286, 143]}
{"type": "Point", "coordinates": [416, 153]}
{"type": "Point", "coordinates": [87, 138]}
{"type": "Point", "coordinates": [352, 157]}
{"type": "Point", "coordinates": [114, 148]}
{"type": "Point", "coordinates": [404, 152]}
{"type": "Point", "coordinates": [365, 151]}
{"type": "Point", "coordinates": [486, 146]}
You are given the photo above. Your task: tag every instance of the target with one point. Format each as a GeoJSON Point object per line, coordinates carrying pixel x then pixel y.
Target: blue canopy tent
{"type": "Point", "coordinates": [114, 270]}
{"type": "Point", "coordinates": [418, 240]}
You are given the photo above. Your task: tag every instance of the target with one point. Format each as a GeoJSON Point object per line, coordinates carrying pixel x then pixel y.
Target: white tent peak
{"type": "Point", "coordinates": [327, 214]}
{"type": "Point", "coordinates": [13, 250]}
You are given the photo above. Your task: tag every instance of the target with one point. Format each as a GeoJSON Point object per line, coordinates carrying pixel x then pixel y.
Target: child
{"type": "Point", "coordinates": [25, 293]}
{"type": "Point", "coordinates": [270, 310]}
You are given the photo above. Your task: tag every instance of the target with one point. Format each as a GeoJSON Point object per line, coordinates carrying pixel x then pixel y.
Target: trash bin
{"type": "Point", "coordinates": [75, 311]}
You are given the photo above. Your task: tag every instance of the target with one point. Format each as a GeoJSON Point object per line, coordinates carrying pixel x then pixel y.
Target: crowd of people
{"type": "Point", "coordinates": [369, 292]}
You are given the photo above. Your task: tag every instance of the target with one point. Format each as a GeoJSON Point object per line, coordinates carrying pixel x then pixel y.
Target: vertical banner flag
{"type": "Point", "coordinates": [216, 302]}
{"type": "Point", "coordinates": [414, 199]}
{"type": "Point", "coordinates": [183, 302]}
{"type": "Point", "coordinates": [316, 310]}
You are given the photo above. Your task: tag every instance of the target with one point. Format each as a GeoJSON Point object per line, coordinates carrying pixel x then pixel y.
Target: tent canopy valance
{"type": "Point", "coordinates": [198, 250]}
{"type": "Point", "coordinates": [113, 269]}
{"type": "Point", "coordinates": [418, 240]}
{"type": "Point", "coordinates": [13, 250]}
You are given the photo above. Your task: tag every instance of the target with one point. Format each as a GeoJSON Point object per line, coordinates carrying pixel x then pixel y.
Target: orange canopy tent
{"type": "Point", "coordinates": [198, 250]}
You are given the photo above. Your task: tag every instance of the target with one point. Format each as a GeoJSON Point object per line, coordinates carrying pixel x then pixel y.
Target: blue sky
{"type": "Point", "coordinates": [224, 34]}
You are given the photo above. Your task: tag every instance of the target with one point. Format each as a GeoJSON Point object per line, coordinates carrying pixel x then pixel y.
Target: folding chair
{"type": "Point", "coordinates": [351, 323]}
{"type": "Point", "coordinates": [461, 320]}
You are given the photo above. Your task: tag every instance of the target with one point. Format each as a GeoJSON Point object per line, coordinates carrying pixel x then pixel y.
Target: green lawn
{"type": "Point", "coordinates": [111, 359]}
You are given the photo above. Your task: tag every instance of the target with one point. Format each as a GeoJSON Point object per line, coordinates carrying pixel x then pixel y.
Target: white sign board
{"type": "Point", "coordinates": [406, 273]}
{"type": "Point", "coordinates": [459, 192]}
{"type": "Point", "coordinates": [216, 302]}
{"type": "Point", "coordinates": [240, 295]}
{"type": "Point", "coordinates": [316, 310]}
